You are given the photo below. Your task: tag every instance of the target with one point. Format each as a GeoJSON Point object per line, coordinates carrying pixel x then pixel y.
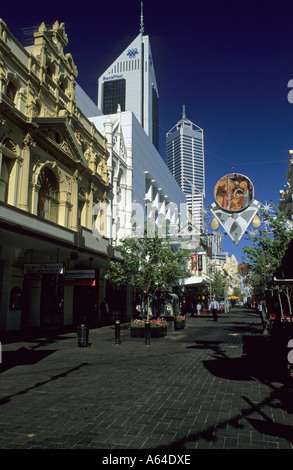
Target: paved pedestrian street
{"type": "Point", "coordinates": [213, 385]}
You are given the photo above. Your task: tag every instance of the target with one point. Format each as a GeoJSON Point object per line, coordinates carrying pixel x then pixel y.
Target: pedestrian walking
{"type": "Point", "coordinates": [262, 309]}
{"type": "Point", "coordinates": [198, 308]}
{"type": "Point", "coordinates": [214, 307]}
{"type": "Point", "coordinates": [192, 307]}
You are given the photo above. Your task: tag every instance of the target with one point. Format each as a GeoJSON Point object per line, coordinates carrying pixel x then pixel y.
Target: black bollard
{"type": "Point", "coordinates": [82, 335]}
{"type": "Point", "coordinates": [147, 333]}
{"type": "Point", "coordinates": [117, 332]}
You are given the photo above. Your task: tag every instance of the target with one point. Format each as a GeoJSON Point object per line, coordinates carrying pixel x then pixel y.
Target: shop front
{"type": "Point", "coordinates": [42, 296]}
{"type": "Point", "coordinates": [50, 282]}
{"type": "Point", "coordinates": [197, 291]}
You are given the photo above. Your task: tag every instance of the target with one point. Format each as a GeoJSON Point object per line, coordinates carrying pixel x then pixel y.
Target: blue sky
{"type": "Point", "coordinates": [229, 62]}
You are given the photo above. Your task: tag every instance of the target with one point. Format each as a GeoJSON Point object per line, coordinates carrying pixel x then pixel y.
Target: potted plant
{"type": "Point", "coordinates": [137, 328]}
{"type": "Point", "coordinates": [158, 327]}
{"type": "Point", "coordinates": [179, 322]}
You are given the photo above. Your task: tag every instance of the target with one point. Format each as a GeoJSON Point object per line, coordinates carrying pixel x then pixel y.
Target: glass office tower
{"type": "Point", "coordinates": [185, 160]}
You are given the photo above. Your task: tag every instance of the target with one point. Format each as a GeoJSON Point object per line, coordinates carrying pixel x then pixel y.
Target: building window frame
{"type": "Point", "coordinates": [48, 195]}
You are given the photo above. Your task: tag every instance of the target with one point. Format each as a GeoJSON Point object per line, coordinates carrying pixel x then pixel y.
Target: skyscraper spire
{"type": "Point", "coordinates": [183, 112]}
{"type": "Point", "coordinates": [141, 19]}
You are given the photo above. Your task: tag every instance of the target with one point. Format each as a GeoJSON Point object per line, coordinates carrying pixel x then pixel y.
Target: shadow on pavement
{"type": "Point", "coordinates": [272, 429]}
{"type": "Point", "coordinates": [22, 357]}
{"type": "Point", "coordinates": [260, 361]}
{"type": "Point", "coordinates": [6, 399]}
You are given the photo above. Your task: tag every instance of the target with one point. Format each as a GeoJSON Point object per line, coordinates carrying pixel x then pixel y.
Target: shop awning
{"type": "Point", "coordinates": [195, 280]}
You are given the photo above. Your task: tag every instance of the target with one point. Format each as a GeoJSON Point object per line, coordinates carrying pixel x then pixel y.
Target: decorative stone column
{"type": "Point", "coordinates": [28, 144]}
{"type": "Point", "coordinates": [74, 200]}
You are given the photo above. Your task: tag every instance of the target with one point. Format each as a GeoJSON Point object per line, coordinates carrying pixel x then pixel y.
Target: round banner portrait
{"type": "Point", "coordinates": [234, 192]}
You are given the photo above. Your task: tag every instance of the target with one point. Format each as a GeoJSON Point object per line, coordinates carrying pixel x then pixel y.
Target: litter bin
{"type": "Point", "coordinates": [82, 335]}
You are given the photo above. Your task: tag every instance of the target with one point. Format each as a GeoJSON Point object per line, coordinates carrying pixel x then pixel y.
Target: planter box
{"type": "Point", "coordinates": [158, 332]}
{"type": "Point", "coordinates": [179, 325]}
{"type": "Point", "coordinates": [171, 323]}
{"type": "Point", "coordinates": [137, 332]}
{"type": "Point", "coordinates": [155, 332]}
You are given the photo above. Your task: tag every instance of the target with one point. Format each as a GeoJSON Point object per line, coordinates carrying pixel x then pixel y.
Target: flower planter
{"type": "Point", "coordinates": [170, 323]}
{"type": "Point", "coordinates": [158, 332]}
{"type": "Point", "coordinates": [158, 328]}
{"type": "Point", "coordinates": [179, 325]}
{"type": "Point", "coordinates": [155, 332]}
{"type": "Point", "coordinates": [179, 322]}
{"type": "Point", "coordinates": [137, 332]}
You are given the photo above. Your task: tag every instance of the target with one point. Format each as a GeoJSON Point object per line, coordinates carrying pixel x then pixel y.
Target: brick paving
{"type": "Point", "coordinates": [213, 385]}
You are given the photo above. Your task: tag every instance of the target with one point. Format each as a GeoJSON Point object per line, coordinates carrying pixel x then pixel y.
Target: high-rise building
{"type": "Point", "coordinates": [130, 82]}
{"type": "Point", "coordinates": [185, 160]}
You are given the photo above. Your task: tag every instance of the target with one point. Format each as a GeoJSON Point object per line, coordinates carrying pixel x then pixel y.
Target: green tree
{"type": "Point", "coordinates": [218, 284]}
{"type": "Point", "coordinates": [149, 264]}
{"type": "Point", "coordinates": [237, 292]}
{"type": "Point", "coordinates": [267, 250]}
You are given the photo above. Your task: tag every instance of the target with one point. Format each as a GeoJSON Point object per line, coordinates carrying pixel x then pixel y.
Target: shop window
{"type": "Point", "coordinates": [15, 298]}
{"type": "Point", "coordinates": [48, 195]}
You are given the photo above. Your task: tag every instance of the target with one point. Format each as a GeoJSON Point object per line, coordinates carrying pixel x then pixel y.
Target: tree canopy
{"type": "Point", "coordinates": [218, 284]}
{"type": "Point", "coordinates": [149, 264]}
{"type": "Point", "coordinates": [267, 250]}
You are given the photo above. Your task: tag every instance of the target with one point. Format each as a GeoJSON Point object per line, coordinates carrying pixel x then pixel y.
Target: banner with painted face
{"type": "Point", "coordinates": [234, 192]}
{"type": "Point", "coordinates": [234, 207]}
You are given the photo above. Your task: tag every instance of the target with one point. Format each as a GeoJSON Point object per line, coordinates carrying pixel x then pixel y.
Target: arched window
{"type": "Point", "coordinates": [62, 82]}
{"type": "Point", "coordinates": [6, 167]}
{"type": "Point", "coordinates": [4, 177]}
{"type": "Point", "coordinates": [38, 108]}
{"type": "Point", "coordinates": [11, 91]}
{"type": "Point", "coordinates": [48, 195]}
{"type": "Point", "coordinates": [50, 70]}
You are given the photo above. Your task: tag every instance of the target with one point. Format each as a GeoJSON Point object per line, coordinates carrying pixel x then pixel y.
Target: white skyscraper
{"type": "Point", "coordinates": [185, 160]}
{"type": "Point", "coordinates": [127, 114]}
{"type": "Point", "coordinates": [131, 83]}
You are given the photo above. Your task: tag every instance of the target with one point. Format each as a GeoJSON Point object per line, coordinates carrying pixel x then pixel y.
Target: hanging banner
{"type": "Point", "coordinates": [234, 192]}
{"type": "Point", "coordinates": [235, 206]}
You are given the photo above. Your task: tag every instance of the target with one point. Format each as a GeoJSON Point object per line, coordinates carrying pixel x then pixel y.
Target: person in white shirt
{"type": "Point", "coordinates": [214, 307]}
{"type": "Point", "coordinates": [198, 308]}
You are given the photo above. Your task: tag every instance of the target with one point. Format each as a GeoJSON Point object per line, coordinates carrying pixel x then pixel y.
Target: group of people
{"type": "Point", "coordinates": [213, 307]}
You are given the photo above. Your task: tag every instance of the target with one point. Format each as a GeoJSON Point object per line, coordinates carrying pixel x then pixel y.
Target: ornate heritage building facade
{"type": "Point", "coordinates": [53, 170]}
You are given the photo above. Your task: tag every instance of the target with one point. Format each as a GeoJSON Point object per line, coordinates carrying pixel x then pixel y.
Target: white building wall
{"type": "Point", "coordinates": [85, 103]}
{"type": "Point", "coordinates": [147, 164]}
